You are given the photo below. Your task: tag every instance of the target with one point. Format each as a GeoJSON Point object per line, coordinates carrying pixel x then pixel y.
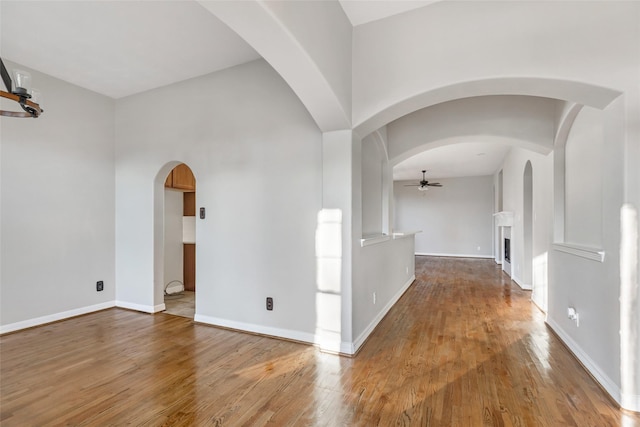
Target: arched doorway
{"type": "Point", "coordinates": [179, 257]}
{"type": "Point", "coordinates": [527, 225]}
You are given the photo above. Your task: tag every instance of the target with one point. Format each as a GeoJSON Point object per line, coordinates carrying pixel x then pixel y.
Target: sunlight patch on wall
{"type": "Point", "coordinates": [329, 279]}
{"type": "Point", "coordinates": [541, 280]}
{"type": "Point", "coordinates": [629, 318]}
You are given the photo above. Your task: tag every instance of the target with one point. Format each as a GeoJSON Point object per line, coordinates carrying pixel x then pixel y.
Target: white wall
{"type": "Point", "coordinates": [58, 200]}
{"type": "Point", "coordinates": [386, 268]}
{"type": "Point", "coordinates": [542, 171]}
{"type": "Point", "coordinates": [383, 263]}
{"type": "Point", "coordinates": [339, 228]}
{"type": "Point", "coordinates": [593, 286]}
{"type": "Point", "coordinates": [583, 180]}
{"type": "Point", "coordinates": [455, 220]}
{"type": "Point", "coordinates": [256, 154]}
{"type": "Point", "coordinates": [373, 164]}
{"type": "Point", "coordinates": [173, 246]}
{"type": "Point", "coordinates": [413, 60]}
{"type": "Point", "coordinates": [563, 279]}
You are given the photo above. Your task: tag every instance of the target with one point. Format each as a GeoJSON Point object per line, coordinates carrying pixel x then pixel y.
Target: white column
{"type": "Point", "coordinates": [630, 257]}
{"type": "Point", "coordinates": [339, 225]}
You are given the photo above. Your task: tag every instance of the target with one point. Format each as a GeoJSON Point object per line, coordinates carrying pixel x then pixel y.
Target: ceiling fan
{"type": "Point", "coordinates": [424, 184]}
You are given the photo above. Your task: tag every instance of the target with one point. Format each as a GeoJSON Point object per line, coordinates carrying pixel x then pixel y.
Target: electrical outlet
{"type": "Point", "coordinates": [572, 314]}
{"type": "Point", "coordinates": [269, 303]}
{"type": "Point", "coordinates": [100, 286]}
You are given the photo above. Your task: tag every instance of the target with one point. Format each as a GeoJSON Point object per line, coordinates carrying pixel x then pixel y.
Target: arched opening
{"type": "Point", "coordinates": [572, 91]}
{"type": "Point", "coordinates": [453, 211]}
{"type": "Point", "coordinates": [375, 186]}
{"type": "Point", "coordinates": [178, 259]}
{"type": "Point", "coordinates": [527, 225]}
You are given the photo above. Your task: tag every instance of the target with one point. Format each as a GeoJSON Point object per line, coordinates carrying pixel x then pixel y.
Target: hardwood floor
{"type": "Point", "coordinates": [463, 347]}
{"type": "Point", "coordinates": [183, 304]}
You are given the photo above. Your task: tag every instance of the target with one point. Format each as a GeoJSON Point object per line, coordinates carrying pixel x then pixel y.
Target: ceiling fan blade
{"type": "Point", "coordinates": [435, 184]}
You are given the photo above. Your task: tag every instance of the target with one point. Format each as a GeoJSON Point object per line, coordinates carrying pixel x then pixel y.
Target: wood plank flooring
{"type": "Point", "coordinates": [183, 304]}
{"type": "Point", "coordinates": [463, 347]}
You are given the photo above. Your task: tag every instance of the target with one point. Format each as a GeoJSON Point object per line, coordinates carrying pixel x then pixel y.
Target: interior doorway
{"type": "Point", "coordinates": [179, 242]}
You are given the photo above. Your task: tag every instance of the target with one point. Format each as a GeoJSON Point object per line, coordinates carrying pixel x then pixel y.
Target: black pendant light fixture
{"type": "Point", "coordinates": [19, 90]}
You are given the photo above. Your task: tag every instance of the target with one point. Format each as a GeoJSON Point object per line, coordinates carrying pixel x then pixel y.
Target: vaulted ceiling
{"type": "Point", "coordinates": [358, 64]}
{"type": "Point", "coordinates": [119, 48]}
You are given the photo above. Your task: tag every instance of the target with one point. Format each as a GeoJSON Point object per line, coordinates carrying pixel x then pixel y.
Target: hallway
{"type": "Point", "coordinates": [463, 347]}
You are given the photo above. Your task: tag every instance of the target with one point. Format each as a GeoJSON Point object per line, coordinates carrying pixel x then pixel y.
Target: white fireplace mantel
{"type": "Point", "coordinates": [503, 219]}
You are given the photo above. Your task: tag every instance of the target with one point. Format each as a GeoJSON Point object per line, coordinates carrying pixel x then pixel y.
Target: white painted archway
{"type": "Point", "coordinates": [158, 233]}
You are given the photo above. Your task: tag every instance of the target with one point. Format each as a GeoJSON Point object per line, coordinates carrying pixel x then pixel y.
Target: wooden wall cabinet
{"type": "Point", "coordinates": [189, 204]}
{"type": "Point", "coordinates": [189, 266]}
{"type": "Point", "coordinates": [189, 249]}
{"type": "Point", "coordinates": [181, 178]}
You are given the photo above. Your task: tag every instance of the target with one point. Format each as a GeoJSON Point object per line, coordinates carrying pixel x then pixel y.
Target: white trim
{"type": "Point", "coordinates": [305, 337]}
{"type": "Point", "coordinates": [538, 305]}
{"type": "Point", "coordinates": [593, 254]}
{"type": "Point", "coordinates": [369, 329]}
{"type": "Point", "coordinates": [367, 241]}
{"type": "Point", "coordinates": [141, 307]}
{"type": "Point", "coordinates": [374, 240]}
{"type": "Point", "coordinates": [610, 387]}
{"type": "Point", "coordinates": [521, 283]}
{"type": "Point", "coordinates": [24, 324]}
{"type": "Point", "coordinates": [454, 255]}
{"type": "Point", "coordinates": [404, 234]}
{"type": "Point", "coordinates": [503, 219]}
{"type": "Point", "coordinates": [299, 336]}
{"type": "Point", "coordinates": [347, 348]}
{"type": "Point", "coordinates": [630, 402]}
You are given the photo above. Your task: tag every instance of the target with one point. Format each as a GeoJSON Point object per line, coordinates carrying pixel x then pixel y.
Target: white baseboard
{"type": "Point", "coordinates": [521, 283]}
{"type": "Point", "coordinates": [140, 307]}
{"type": "Point", "coordinates": [257, 329]}
{"type": "Point", "coordinates": [630, 402]}
{"type": "Point", "coordinates": [610, 387]}
{"type": "Point", "coordinates": [347, 348]}
{"type": "Point", "coordinates": [369, 329]}
{"type": "Point", "coordinates": [29, 323]}
{"type": "Point", "coordinates": [331, 346]}
{"type": "Point", "coordinates": [538, 305]}
{"type": "Point", "coordinates": [454, 255]}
